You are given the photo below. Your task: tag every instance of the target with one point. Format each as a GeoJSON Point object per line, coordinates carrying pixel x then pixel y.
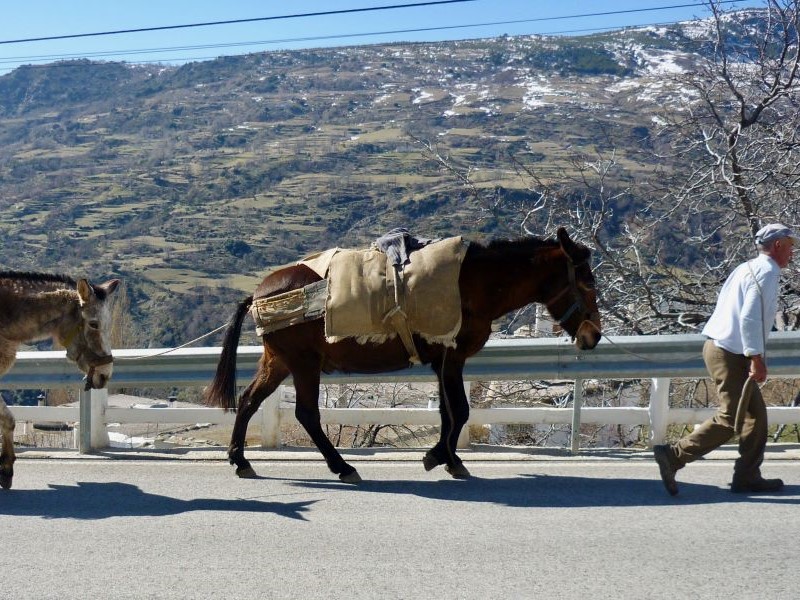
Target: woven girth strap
{"type": "Point", "coordinates": [398, 319]}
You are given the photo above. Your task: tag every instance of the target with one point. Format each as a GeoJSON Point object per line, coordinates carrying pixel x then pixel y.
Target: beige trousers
{"type": "Point", "coordinates": [729, 372]}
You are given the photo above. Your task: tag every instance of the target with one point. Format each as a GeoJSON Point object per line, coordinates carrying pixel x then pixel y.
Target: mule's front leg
{"type": "Point", "coordinates": [440, 455]}
{"type": "Point", "coordinates": [454, 411]}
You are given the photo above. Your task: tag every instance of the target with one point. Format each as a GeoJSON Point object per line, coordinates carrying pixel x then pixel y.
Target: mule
{"type": "Point", "coordinates": [494, 279]}
{"type": "Point", "coordinates": [35, 306]}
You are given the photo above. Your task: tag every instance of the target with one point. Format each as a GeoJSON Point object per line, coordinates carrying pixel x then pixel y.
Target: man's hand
{"type": "Point", "coordinates": [758, 368]}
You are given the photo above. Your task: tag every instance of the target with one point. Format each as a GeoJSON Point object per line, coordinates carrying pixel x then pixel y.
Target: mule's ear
{"type": "Point", "coordinates": [110, 286]}
{"type": "Point", "coordinates": [563, 239]}
{"type": "Point", "coordinates": [85, 291]}
{"type": "Point", "coordinates": [575, 251]}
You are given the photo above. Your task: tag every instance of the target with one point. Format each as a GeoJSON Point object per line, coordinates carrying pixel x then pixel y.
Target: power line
{"type": "Point", "coordinates": [355, 10]}
{"type": "Point", "coordinates": [233, 22]}
{"type": "Point", "coordinates": [42, 58]}
{"type": "Point", "coordinates": [51, 57]}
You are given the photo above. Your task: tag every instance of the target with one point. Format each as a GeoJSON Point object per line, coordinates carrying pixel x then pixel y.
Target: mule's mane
{"type": "Point", "coordinates": [22, 281]}
{"type": "Point", "coordinates": [37, 277]}
{"type": "Point", "coordinates": [522, 248]}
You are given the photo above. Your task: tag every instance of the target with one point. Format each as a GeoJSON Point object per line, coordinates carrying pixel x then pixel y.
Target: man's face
{"type": "Point", "coordinates": [783, 252]}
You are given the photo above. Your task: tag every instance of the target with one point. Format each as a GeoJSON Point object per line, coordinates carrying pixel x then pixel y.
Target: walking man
{"type": "Point", "coordinates": [734, 351]}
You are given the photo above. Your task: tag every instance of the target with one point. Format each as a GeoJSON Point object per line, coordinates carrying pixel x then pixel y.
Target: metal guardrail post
{"type": "Point", "coordinates": [659, 409]}
{"type": "Point", "coordinates": [271, 419]}
{"type": "Point", "coordinates": [85, 416]}
{"type": "Point", "coordinates": [577, 403]}
{"type": "Point", "coordinates": [99, 404]}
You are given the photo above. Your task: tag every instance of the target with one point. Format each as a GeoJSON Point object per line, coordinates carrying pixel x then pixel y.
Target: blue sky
{"type": "Point", "coordinates": [24, 19]}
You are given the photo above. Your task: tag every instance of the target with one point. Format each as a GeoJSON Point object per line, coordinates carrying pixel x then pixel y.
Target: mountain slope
{"type": "Point", "coordinates": [191, 181]}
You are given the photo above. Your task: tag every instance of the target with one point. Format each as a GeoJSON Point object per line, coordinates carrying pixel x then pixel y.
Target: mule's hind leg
{"type": "Point", "coordinates": [306, 384]}
{"type": "Point", "coordinates": [7, 456]}
{"type": "Point", "coordinates": [271, 372]}
{"type": "Point", "coordinates": [454, 411]}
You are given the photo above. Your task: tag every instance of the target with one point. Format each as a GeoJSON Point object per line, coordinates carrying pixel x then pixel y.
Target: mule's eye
{"type": "Point", "coordinates": [94, 324]}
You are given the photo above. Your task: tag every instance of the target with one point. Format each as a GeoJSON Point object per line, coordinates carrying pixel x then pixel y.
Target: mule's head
{"type": "Point", "coordinates": [87, 341]}
{"type": "Point", "coordinates": [575, 305]}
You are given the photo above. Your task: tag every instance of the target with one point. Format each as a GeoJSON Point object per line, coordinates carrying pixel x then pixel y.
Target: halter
{"type": "Point", "coordinates": [572, 287]}
{"type": "Point", "coordinates": [94, 360]}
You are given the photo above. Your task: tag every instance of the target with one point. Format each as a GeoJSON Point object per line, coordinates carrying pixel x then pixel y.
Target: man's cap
{"type": "Point", "coordinates": [775, 231]}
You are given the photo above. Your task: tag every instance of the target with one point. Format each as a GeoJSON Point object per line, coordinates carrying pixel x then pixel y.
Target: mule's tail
{"type": "Point", "coordinates": [222, 391]}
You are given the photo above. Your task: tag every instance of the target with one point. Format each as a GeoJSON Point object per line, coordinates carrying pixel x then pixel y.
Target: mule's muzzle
{"type": "Point", "coordinates": [588, 334]}
{"type": "Point", "coordinates": [99, 373]}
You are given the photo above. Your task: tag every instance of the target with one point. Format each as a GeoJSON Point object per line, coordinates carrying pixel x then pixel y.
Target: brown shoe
{"type": "Point", "coordinates": [757, 486]}
{"type": "Point", "coordinates": [662, 455]}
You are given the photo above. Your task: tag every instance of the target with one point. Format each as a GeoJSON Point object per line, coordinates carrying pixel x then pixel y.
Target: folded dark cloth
{"type": "Point", "coordinates": [398, 243]}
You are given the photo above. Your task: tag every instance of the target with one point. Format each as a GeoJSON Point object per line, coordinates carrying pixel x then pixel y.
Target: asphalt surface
{"type": "Point", "coordinates": [527, 525]}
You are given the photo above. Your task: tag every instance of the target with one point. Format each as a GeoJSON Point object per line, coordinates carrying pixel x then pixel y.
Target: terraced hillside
{"type": "Point", "coordinates": [190, 182]}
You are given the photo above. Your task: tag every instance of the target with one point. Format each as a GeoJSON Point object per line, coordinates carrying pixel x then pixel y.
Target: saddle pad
{"type": "Point", "coordinates": [319, 262]}
{"type": "Point", "coordinates": [289, 308]}
{"type": "Point", "coordinates": [361, 293]}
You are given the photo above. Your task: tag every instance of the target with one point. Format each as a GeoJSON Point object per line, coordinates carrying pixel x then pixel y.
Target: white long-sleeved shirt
{"type": "Point", "coordinates": [745, 310]}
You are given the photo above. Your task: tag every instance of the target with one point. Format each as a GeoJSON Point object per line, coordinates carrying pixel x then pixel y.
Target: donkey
{"type": "Point", "coordinates": [35, 306]}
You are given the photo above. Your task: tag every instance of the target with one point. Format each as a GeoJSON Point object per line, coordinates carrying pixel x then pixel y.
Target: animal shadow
{"type": "Point", "coordinates": [91, 500]}
{"type": "Point", "coordinates": [540, 491]}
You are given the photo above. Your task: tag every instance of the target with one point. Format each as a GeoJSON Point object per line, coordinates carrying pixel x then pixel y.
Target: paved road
{"type": "Point", "coordinates": [549, 529]}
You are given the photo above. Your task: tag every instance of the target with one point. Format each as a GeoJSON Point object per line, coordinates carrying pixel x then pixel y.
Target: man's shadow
{"type": "Point", "coordinates": [90, 500]}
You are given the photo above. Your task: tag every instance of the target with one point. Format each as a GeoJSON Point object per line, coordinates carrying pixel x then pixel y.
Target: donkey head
{"type": "Point", "coordinates": [88, 342]}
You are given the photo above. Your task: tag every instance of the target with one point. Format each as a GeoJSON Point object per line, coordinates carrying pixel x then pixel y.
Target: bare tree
{"type": "Point", "coordinates": [724, 163]}
{"type": "Point", "coordinates": [736, 139]}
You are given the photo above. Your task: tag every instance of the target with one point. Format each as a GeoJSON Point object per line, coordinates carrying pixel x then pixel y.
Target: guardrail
{"type": "Point", "coordinates": [656, 358]}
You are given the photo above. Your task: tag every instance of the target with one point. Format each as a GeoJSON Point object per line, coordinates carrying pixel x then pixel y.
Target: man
{"type": "Point", "coordinates": [737, 333]}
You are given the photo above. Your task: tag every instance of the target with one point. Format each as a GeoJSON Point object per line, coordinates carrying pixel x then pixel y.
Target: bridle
{"type": "Point", "coordinates": [578, 303]}
{"type": "Point", "coordinates": [92, 359]}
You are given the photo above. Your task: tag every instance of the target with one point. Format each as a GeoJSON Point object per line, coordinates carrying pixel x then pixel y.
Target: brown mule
{"type": "Point", "coordinates": [494, 280]}
{"type": "Point", "coordinates": [34, 307]}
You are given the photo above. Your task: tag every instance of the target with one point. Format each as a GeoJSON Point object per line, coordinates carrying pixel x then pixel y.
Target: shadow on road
{"type": "Point", "coordinates": [89, 500]}
{"type": "Point", "coordinates": [92, 500]}
{"type": "Point", "coordinates": [558, 491]}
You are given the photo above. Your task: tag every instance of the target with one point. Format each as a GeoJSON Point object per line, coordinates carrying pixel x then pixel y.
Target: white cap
{"type": "Point", "coordinates": [775, 231]}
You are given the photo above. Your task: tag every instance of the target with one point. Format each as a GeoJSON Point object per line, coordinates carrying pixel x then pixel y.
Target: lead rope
{"type": "Point", "coordinates": [631, 352]}
{"type": "Point", "coordinates": [167, 351]}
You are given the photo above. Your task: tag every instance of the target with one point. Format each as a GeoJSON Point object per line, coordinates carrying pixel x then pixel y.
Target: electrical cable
{"type": "Point", "coordinates": [232, 22]}
{"type": "Point", "coordinates": [57, 57]}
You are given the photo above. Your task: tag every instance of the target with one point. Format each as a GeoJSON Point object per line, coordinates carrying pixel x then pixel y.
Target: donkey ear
{"type": "Point", "coordinates": [85, 291]}
{"type": "Point", "coordinates": [109, 286]}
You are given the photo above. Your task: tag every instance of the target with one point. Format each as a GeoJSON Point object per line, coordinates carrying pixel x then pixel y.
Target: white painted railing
{"type": "Point", "coordinates": [655, 358]}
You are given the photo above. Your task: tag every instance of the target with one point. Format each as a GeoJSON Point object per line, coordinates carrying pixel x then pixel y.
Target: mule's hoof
{"type": "Point", "coordinates": [429, 462]}
{"type": "Point", "coordinates": [353, 477]}
{"type": "Point", "coordinates": [5, 481]}
{"type": "Point", "coordinates": [246, 473]}
{"type": "Point", "coordinates": [458, 472]}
